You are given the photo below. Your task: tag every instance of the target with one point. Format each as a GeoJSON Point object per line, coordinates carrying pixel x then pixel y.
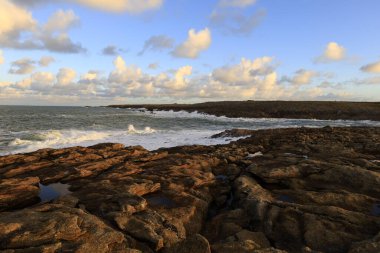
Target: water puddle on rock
{"type": "Point", "coordinates": [53, 191]}
{"type": "Point", "coordinates": [285, 198]}
{"type": "Point", "coordinates": [159, 200]}
{"type": "Point", "coordinates": [375, 209]}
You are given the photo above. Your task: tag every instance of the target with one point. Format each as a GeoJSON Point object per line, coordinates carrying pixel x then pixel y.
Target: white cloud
{"type": "Point", "coordinates": [131, 6]}
{"type": "Point", "coordinates": [26, 65]}
{"type": "Point", "coordinates": [19, 30]}
{"type": "Point", "coordinates": [112, 50]}
{"type": "Point", "coordinates": [244, 73]}
{"type": "Point", "coordinates": [157, 43]}
{"type": "Point", "coordinates": [14, 19]}
{"type": "Point", "coordinates": [42, 81]}
{"type": "Point", "coordinates": [90, 76]}
{"type": "Point", "coordinates": [61, 21]}
{"type": "Point", "coordinates": [123, 73]}
{"type": "Point", "coordinates": [179, 82]}
{"type": "Point", "coordinates": [248, 79]}
{"type": "Point", "coordinates": [365, 81]}
{"type": "Point", "coordinates": [194, 45]}
{"type": "Point", "coordinates": [301, 77]}
{"type": "Point", "coordinates": [66, 76]}
{"type": "Point", "coordinates": [22, 66]}
{"type": "Point", "coordinates": [236, 3]}
{"type": "Point", "coordinates": [333, 52]}
{"type": "Point", "coordinates": [24, 84]}
{"type": "Point", "coordinates": [235, 22]}
{"type": "Point", "coordinates": [46, 61]}
{"type": "Point", "coordinates": [371, 68]}
{"type": "Point", "coordinates": [60, 43]}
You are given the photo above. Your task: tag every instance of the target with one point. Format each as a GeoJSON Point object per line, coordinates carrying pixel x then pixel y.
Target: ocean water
{"type": "Point", "coordinates": [29, 128]}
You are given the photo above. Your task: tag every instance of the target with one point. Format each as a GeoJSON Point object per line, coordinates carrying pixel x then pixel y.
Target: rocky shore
{"type": "Point", "coordinates": [277, 109]}
{"type": "Point", "coordinates": [286, 190]}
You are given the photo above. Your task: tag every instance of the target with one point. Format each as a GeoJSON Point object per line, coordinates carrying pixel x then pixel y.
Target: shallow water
{"type": "Point", "coordinates": [375, 209]}
{"type": "Point", "coordinates": [28, 128]}
{"type": "Point", "coordinates": [53, 191]}
{"type": "Point", "coordinates": [160, 200]}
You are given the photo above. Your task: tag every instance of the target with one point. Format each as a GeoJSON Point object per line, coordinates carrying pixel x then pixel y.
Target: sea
{"type": "Point", "coordinates": [29, 128]}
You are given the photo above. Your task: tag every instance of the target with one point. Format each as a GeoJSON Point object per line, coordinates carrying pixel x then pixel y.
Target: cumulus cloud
{"type": "Point", "coordinates": [54, 36]}
{"type": "Point", "coordinates": [301, 77]}
{"type": "Point", "coordinates": [371, 68]}
{"type": "Point", "coordinates": [22, 66]}
{"type": "Point", "coordinates": [19, 30]}
{"type": "Point", "coordinates": [90, 76]}
{"type": "Point", "coordinates": [236, 3]}
{"type": "Point", "coordinates": [66, 76]}
{"type": "Point", "coordinates": [245, 72]}
{"type": "Point", "coordinates": [41, 81]}
{"type": "Point", "coordinates": [179, 82]}
{"type": "Point", "coordinates": [45, 61]}
{"type": "Point", "coordinates": [247, 79]}
{"type": "Point", "coordinates": [157, 43]}
{"type": "Point", "coordinates": [123, 73]}
{"type": "Point", "coordinates": [26, 65]}
{"type": "Point", "coordinates": [333, 52]}
{"type": "Point", "coordinates": [61, 21]}
{"type": "Point", "coordinates": [194, 45]}
{"type": "Point", "coordinates": [14, 21]}
{"type": "Point", "coordinates": [112, 50]}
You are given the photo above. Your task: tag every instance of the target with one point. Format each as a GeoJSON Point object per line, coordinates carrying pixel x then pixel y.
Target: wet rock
{"type": "Point", "coordinates": [233, 133]}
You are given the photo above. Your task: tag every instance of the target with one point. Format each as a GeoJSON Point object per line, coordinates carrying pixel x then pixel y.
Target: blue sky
{"type": "Point", "coordinates": [196, 51]}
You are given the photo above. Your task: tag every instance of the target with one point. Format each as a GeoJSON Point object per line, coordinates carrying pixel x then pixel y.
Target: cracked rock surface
{"type": "Point", "coordinates": [284, 190]}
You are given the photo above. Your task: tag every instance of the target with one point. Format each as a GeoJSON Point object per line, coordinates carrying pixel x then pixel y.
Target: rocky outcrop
{"type": "Point", "coordinates": [275, 109]}
{"type": "Point", "coordinates": [286, 190]}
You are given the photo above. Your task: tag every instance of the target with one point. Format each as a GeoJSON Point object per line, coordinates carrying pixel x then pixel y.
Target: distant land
{"type": "Point", "coordinates": [276, 109]}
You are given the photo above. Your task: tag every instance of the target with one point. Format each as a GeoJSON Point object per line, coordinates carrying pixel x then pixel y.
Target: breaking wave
{"type": "Point", "coordinates": [65, 138]}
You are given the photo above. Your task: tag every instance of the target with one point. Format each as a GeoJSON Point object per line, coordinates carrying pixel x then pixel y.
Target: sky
{"type": "Point", "coordinates": [95, 52]}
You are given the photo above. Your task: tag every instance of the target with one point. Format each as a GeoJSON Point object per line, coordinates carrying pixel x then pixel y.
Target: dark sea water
{"type": "Point", "coordinates": [28, 128]}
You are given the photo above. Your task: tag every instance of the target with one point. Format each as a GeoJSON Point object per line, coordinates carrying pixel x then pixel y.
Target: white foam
{"type": "Point", "coordinates": [149, 138]}
{"type": "Point", "coordinates": [281, 122]}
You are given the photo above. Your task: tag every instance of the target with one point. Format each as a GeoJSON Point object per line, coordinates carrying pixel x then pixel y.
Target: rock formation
{"type": "Point", "coordinates": [285, 190]}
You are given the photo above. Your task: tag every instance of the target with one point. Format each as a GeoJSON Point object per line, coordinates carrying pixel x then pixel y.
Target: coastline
{"type": "Point", "coordinates": [275, 109]}
{"type": "Point", "coordinates": [275, 191]}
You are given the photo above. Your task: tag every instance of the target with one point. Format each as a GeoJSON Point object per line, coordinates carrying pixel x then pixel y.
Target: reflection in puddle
{"type": "Point", "coordinates": [157, 199]}
{"type": "Point", "coordinates": [375, 209]}
{"type": "Point", "coordinates": [53, 191]}
{"type": "Point", "coordinates": [285, 198]}
{"type": "Point", "coordinates": [221, 177]}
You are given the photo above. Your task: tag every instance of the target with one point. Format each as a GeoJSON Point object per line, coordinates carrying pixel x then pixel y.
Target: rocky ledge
{"type": "Point", "coordinates": [286, 190]}
{"type": "Point", "coordinates": [275, 109]}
